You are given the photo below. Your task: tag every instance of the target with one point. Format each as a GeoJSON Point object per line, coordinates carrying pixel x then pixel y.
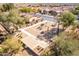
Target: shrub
{"type": "Point", "coordinates": [26, 10]}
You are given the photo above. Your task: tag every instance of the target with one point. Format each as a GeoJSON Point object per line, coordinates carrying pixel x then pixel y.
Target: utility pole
{"type": "Point", "coordinates": [58, 23]}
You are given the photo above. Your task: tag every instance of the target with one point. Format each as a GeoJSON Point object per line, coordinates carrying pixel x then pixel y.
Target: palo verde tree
{"type": "Point", "coordinates": [64, 45]}
{"type": "Point", "coordinates": [10, 46]}
{"type": "Point", "coordinates": [75, 11]}
{"type": "Point", "coordinates": [67, 19]}
{"type": "Point", "coordinates": [15, 18]}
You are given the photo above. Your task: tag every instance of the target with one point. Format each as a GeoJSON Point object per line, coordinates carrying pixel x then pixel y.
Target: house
{"type": "Point", "coordinates": [38, 36]}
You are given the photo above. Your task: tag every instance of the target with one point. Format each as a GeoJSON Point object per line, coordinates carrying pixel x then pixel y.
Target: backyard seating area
{"type": "Point", "coordinates": [34, 20]}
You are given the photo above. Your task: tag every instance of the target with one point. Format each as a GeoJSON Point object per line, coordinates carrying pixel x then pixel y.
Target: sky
{"type": "Point", "coordinates": [39, 1]}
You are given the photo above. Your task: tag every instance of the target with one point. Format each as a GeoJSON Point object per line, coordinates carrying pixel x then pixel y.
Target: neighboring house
{"type": "Point", "coordinates": [58, 9]}
{"type": "Point", "coordinates": [2, 30]}
{"type": "Point", "coordinates": [3, 33]}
